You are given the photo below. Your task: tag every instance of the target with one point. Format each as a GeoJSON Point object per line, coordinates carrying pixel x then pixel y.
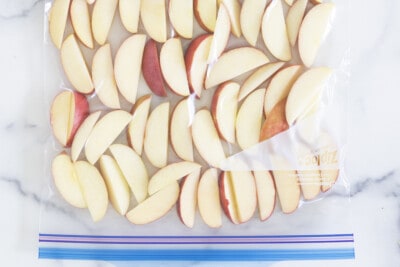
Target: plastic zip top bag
{"type": "Point", "coordinates": [196, 131]}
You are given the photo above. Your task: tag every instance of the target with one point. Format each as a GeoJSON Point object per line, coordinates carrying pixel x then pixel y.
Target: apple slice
{"type": "Point", "coordinates": [102, 18]}
{"type": "Point", "coordinates": [94, 189]}
{"type": "Point", "coordinates": [316, 2]}
{"type": "Point", "coordinates": [274, 31]}
{"type": "Point", "coordinates": [233, 8]}
{"type": "Point", "coordinates": [156, 206]}
{"type": "Point", "coordinates": [187, 202]}
{"type": "Point", "coordinates": [133, 169]}
{"type": "Point", "coordinates": [289, 2]}
{"type": "Point", "coordinates": [208, 198]}
{"type": "Point", "coordinates": [156, 136]}
{"type": "Point", "coordinates": [221, 35]}
{"type": "Point", "coordinates": [305, 92]}
{"type": "Point", "coordinates": [137, 126]}
{"type": "Point", "coordinates": [226, 68]}
{"type": "Point", "coordinates": [105, 131]}
{"type": "Point", "coordinates": [181, 137]}
{"type": "Point", "coordinates": [275, 122]}
{"type": "Point", "coordinates": [82, 134]}
{"type": "Point", "coordinates": [251, 18]}
{"type": "Point", "coordinates": [238, 195]}
{"type": "Point", "coordinates": [151, 69]}
{"type": "Point", "coordinates": [80, 19]}
{"type": "Point", "coordinates": [154, 19]}
{"type": "Point", "coordinates": [224, 108]}
{"type": "Point", "coordinates": [310, 180]}
{"type": "Point", "coordinates": [258, 77]}
{"type": "Point", "coordinates": [206, 139]}
{"type": "Point", "coordinates": [129, 11]}
{"type": "Point", "coordinates": [128, 63]}
{"type": "Point", "coordinates": [67, 112]}
{"type": "Point", "coordinates": [196, 62]}
{"type": "Point", "coordinates": [170, 174]}
{"type": "Point", "coordinates": [75, 66]}
{"type": "Point", "coordinates": [249, 119]}
{"type": "Point", "coordinates": [280, 85]}
{"type": "Point", "coordinates": [313, 30]}
{"type": "Point", "coordinates": [205, 12]}
{"type": "Point", "coordinates": [294, 18]}
{"type": "Point", "coordinates": [90, 1]}
{"type": "Point", "coordinates": [66, 181]}
{"type": "Point", "coordinates": [265, 193]}
{"type": "Point", "coordinates": [181, 17]}
{"type": "Point", "coordinates": [103, 77]}
{"type": "Point", "coordinates": [173, 66]}
{"type": "Point", "coordinates": [58, 20]}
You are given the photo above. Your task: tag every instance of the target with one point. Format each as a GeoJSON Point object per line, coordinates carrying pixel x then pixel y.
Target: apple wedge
{"type": "Point", "coordinates": [156, 206]}
{"type": "Point", "coordinates": [90, 1]}
{"type": "Point", "coordinates": [289, 2]}
{"type": "Point", "coordinates": [80, 19]}
{"type": "Point", "coordinates": [151, 69]}
{"type": "Point", "coordinates": [137, 126]}
{"type": "Point", "coordinates": [208, 198]}
{"type": "Point", "coordinates": [75, 66]}
{"type": "Point", "coordinates": [156, 136]}
{"type": "Point", "coordinates": [258, 77]}
{"type": "Point", "coordinates": [58, 20]}
{"type": "Point", "coordinates": [102, 19]}
{"type": "Point", "coordinates": [205, 12]}
{"type": "Point", "coordinates": [224, 108]}
{"type": "Point", "coordinates": [310, 180]}
{"type": "Point", "coordinates": [249, 119]}
{"type": "Point", "coordinates": [294, 18]}
{"type": "Point", "coordinates": [187, 202]}
{"type": "Point", "coordinates": [181, 17]}
{"type": "Point", "coordinates": [94, 189]}
{"type": "Point", "coordinates": [105, 131]}
{"type": "Point", "coordinates": [196, 62]}
{"type": "Point", "coordinates": [313, 30]}
{"type": "Point", "coordinates": [275, 122]}
{"type": "Point", "coordinates": [68, 111]}
{"type": "Point", "coordinates": [221, 35]}
{"type": "Point", "coordinates": [66, 181]}
{"type": "Point", "coordinates": [206, 139]}
{"type": "Point", "coordinates": [173, 66]}
{"type": "Point", "coordinates": [316, 2]}
{"type": "Point", "coordinates": [250, 19]}
{"type": "Point", "coordinates": [127, 66]}
{"type": "Point", "coordinates": [103, 77]}
{"type": "Point", "coordinates": [274, 31]}
{"type": "Point", "coordinates": [129, 11]}
{"type": "Point", "coordinates": [180, 134]}
{"type": "Point", "coordinates": [233, 8]}
{"type": "Point", "coordinates": [227, 67]}
{"type": "Point", "coordinates": [152, 13]}
{"type": "Point", "coordinates": [265, 193]}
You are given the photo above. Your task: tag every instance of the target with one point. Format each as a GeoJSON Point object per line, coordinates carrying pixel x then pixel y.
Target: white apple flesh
{"type": "Point", "coordinates": [129, 11]}
{"type": "Point", "coordinates": [294, 18]}
{"type": "Point", "coordinates": [80, 19]}
{"type": "Point", "coordinates": [152, 13]}
{"type": "Point", "coordinates": [265, 193]}
{"type": "Point", "coordinates": [187, 203]}
{"type": "Point", "coordinates": [58, 20]}
{"type": "Point", "coordinates": [181, 17]}
{"type": "Point", "coordinates": [102, 19]}
{"type": "Point", "coordinates": [208, 199]}
{"type": "Point", "coordinates": [221, 35]}
{"type": "Point", "coordinates": [205, 12]}
{"type": "Point", "coordinates": [250, 19]}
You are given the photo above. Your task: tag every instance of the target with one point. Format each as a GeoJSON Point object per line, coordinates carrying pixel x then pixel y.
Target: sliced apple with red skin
{"type": "Point", "coordinates": [196, 62]}
{"type": "Point", "coordinates": [258, 77]}
{"type": "Point", "coordinates": [310, 180]}
{"type": "Point", "coordinates": [58, 20]}
{"type": "Point", "coordinates": [156, 206]}
{"type": "Point", "coordinates": [137, 126]}
{"type": "Point", "coordinates": [156, 136]}
{"type": "Point", "coordinates": [94, 189]}
{"type": "Point", "coordinates": [129, 11]}
{"type": "Point", "coordinates": [80, 19]}
{"type": "Point", "coordinates": [221, 34]}
{"type": "Point", "coordinates": [181, 17]}
{"type": "Point", "coordinates": [152, 13]}
{"type": "Point", "coordinates": [173, 68]}
{"type": "Point", "coordinates": [208, 198]}
{"type": "Point", "coordinates": [151, 69]}
{"type": "Point", "coordinates": [224, 108]}
{"type": "Point", "coordinates": [313, 30]}
{"type": "Point", "coordinates": [187, 202]}
{"type": "Point", "coordinates": [127, 66]}
{"type": "Point", "coordinates": [250, 19]}
{"type": "Point", "coordinates": [206, 139]}
{"type": "Point", "coordinates": [102, 19]}
{"type": "Point", "coordinates": [105, 131]}
{"type": "Point", "coordinates": [75, 67]}
{"type": "Point", "coordinates": [249, 119]}
{"type": "Point", "coordinates": [180, 134]}
{"type": "Point", "coordinates": [294, 18]}
{"type": "Point", "coordinates": [275, 122]}
{"type": "Point", "coordinates": [233, 7]}
{"type": "Point", "coordinates": [266, 193]}
{"type": "Point", "coordinates": [205, 12]}
{"type": "Point", "coordinates": [226, 68]}
{"type": "Point", "coordinates": [274, 31]}
{"type": "Point", "coordinates": [103, 77]}
{"type": "Point", "coordinates": [133, 169]}
{"type": "Point", "coordinates": [68, 111]}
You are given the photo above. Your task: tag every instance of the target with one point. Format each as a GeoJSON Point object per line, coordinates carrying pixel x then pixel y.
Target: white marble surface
{"type": "Point", "coordinates": [372, 159]}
